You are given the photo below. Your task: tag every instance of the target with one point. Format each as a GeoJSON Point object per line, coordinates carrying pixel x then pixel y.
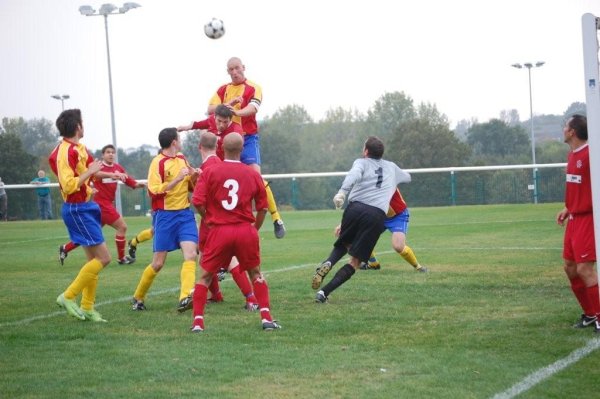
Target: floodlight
{"type": "Point", "coordinates": [86, 10]}
{"type": "Point", "coordinates": [107, 8]}
{"type": "Point", "coordinates": [128, 6]}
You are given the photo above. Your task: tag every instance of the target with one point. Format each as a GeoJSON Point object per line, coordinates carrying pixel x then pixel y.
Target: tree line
{"type": "Point", "coordinates": [416, 136]}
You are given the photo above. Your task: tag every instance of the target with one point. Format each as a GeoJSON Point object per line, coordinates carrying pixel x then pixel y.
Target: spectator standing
{"type": "Point", "coordinates": [43, 194]}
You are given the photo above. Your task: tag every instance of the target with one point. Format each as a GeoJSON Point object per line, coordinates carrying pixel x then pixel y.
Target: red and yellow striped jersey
{"type": "Point", "coordinates": [68, 161]}
{"type": "Point", "coordinates": [162, 171]}
{"type": "Point", "coordinates": [397, 204]}
{"type": "Point", "coordinates": [250, 92]}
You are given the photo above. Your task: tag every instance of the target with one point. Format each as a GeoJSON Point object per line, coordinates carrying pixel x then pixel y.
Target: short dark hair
{"type": "Point", "coordinates": [374, 147]}
{"type": "Point", "coordinates": [106, 147]}
{"type": "Point", "coordinates": [68, 121]}
{"type": "Point", "coordinates": [578, 123]}
{"type": "Point", "coordinates": [223, 111]}
{"type": "Point", "coordinates": [166, 137]}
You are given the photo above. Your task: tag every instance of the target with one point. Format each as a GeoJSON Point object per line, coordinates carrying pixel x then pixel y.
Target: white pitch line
{"type": "Point", "coordinates": [11, 243]}
{"type": "Point", "coordinates": [524, 385]}
{"type": "Point", "coordinates": [127, 299]}
{"type": "Point", "coordinates": [535, 378]}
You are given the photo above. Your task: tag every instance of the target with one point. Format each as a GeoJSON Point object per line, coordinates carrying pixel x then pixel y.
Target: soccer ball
{"type": "Point", "coordinates": [214, 28]}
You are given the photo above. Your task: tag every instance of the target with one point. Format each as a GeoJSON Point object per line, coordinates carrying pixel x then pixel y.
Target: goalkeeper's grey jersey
{"type": "Point", "coordinates": [373, 182]}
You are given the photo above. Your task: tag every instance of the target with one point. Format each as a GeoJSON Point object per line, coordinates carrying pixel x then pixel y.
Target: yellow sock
{"type": "Point", "coordinates": [271, 201]}
{"type": "Point", "coordinates": [409, 256]}
{"type": "Point", "coordinates": [145, 282]}
{"type": "Point", "coordinates": [373, 262]}
{"type": "Point", "coordinates": [144, 235]}
{"type": "Point", "coordinates": [88, 272]}
{"type": "Point", "coordinates": [88, 295]}
{"type": "Point", "coordinates": [188, 278]}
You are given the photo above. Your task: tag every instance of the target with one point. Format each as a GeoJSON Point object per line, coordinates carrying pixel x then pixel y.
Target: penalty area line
{"type": "Point", "coordinates": [535, 378]}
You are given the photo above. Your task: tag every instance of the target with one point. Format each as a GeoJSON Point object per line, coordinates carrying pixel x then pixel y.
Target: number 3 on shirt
{"type": "Point", "coordinates": [233, 187]}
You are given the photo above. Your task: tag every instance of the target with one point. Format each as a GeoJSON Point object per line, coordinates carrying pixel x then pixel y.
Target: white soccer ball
{"type": "Point", "coordinates": [214, 28]}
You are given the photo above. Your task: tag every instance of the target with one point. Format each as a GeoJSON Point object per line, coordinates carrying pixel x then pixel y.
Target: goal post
{"type": "Point", "coordinates": [590, 25]}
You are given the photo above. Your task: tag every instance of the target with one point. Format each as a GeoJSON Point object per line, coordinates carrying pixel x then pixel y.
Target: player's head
{"type": "Point", "coordinates": [208, 141]}
{"type": "Point", "coordinates": [233, 144]}
{"type": "Point", "coordinates": [373, 147]}
{"type": "Point", "coordinates": [108, 153]}
{"type": "Point", "coordinates": [236, 69]}
{"type": "Point", "coordinates": [223, 115]}
{"type": "Point", "coordinates": [41, 173]}
{"type": "Point", "coordinates": [167, 136]}
{"type": "Point", "coordinates": [69, 122]}
{"type": "Point", "coordinates": [578, 124]}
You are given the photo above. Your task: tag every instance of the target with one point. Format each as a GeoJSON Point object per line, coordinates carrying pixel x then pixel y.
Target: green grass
{"type": "Point", "coordinates": [494, 308]}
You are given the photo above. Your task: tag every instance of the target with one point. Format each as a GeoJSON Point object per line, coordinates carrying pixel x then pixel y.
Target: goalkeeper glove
{"type": "Point", "coordinates": [338, 199]}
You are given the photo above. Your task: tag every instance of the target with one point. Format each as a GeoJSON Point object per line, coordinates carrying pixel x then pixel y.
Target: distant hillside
{"type": "Point", "coordinates": [546, 127]}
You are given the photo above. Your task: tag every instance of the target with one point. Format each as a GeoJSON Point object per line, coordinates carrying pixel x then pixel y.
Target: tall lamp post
{"type": "Point", "coordinates": [62, 99]}
{"type": "Point", "coordinates": [529, 65]}
{"type": "Point", "coordinates": [104, 11]}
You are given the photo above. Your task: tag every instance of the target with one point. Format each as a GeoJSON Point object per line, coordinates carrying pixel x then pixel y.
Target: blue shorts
{"type": "Point", "coordinates": [251, 151]}
{"type": "Point", "coordinates": [83, 223]}
{"type": "Point", "coordinates": [398, 223]}
{"type": "Point", "coordinates": [173, 227]}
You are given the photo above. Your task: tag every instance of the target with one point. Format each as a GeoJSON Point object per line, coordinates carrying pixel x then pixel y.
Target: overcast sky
{"type": "Point", "coordinates": [320, 54]}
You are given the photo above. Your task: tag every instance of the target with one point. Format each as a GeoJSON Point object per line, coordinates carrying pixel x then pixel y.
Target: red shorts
{"type": "Point", "coordinates": [109, 213]}
{"type": "Point", "coordinates": [579, 244]}
{"type": "Point", "coordinates": [224, 242]}
{"type": "Point", "coordinates": [202, 235]}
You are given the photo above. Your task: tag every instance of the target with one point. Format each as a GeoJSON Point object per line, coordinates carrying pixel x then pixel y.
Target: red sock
{"type": "Point", "coordinates": [120, 242]}
{"type": "Point", "coordinates": [70, 246]}
{"type": "Point", "coordinates": [261, 291]}
{"type": "Point", "coordinates": [241, 279]}
{"type": "Point", "coordinates": [580, 291]}
{"type": "Point", "coordinates": [593, 300]}
{"type": "Point", "coordinates": [199, 300]}
{"type": "Point", "coordinates": [215, 290]}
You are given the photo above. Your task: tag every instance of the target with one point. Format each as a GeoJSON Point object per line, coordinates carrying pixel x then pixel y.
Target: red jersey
{"type": "Point", "coordinates": [397, 204]}
{"type": "Point", "coordinates": [208, 162]}
{"type": "Point", "coordinates": [107, 186]}
{"type": "Point", "coordinates": [68, 161]}
{"type": "Point", "coordinates": [578, 193]}
{"type": "Point", "coordinates": [210, 125]}
{"type": "Point", "coordinates": [227, 191]}
{"type": "Point", "coordinates": [250, 92]}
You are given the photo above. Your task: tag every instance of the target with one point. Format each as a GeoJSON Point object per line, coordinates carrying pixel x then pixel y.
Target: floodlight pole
{"type": "Point", "coordinates": [62, 99]}
{"type": "Point", "coordinates": [105, 11]}
{"type": "Point", "coordinates": [529, 65]}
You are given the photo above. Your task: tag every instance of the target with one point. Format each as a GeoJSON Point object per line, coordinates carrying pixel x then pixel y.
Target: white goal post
{"type": "Point", "coordinates": [590, 25]}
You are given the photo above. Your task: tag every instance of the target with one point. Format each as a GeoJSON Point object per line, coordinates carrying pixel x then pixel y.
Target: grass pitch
{"type": "Point", "coordinates": [494, 310]}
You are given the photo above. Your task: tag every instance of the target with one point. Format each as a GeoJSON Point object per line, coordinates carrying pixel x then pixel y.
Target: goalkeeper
{"type": "Point", "coordinates": [369, 185]}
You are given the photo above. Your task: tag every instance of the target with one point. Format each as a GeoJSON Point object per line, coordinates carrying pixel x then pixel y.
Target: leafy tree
{"type": "Point", "coordinates": [510, 117]}
{"type": "Point", "coordinates": [281, 137]}
{"type": "Point", "coordinates": [389, 112]}
{"type": "Point", "coordinates": [575, 108]}
{"type": "Point", "coordinates": [463, 126]}
{"type": "Point", "coordinates": [136, 163]}
{"type": "Point", "coordinates": [552, 152]}
{"type": "Point", "coordinates": [496, 142]}
{"type": "Point", "coordinates": [426, 143]}
{"type": "Point", "coordinates": [36, 135]}
{"type": "Point", "coordinates": [189, 147]}
{"type": "Point", "coordinates": [17, 167]}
